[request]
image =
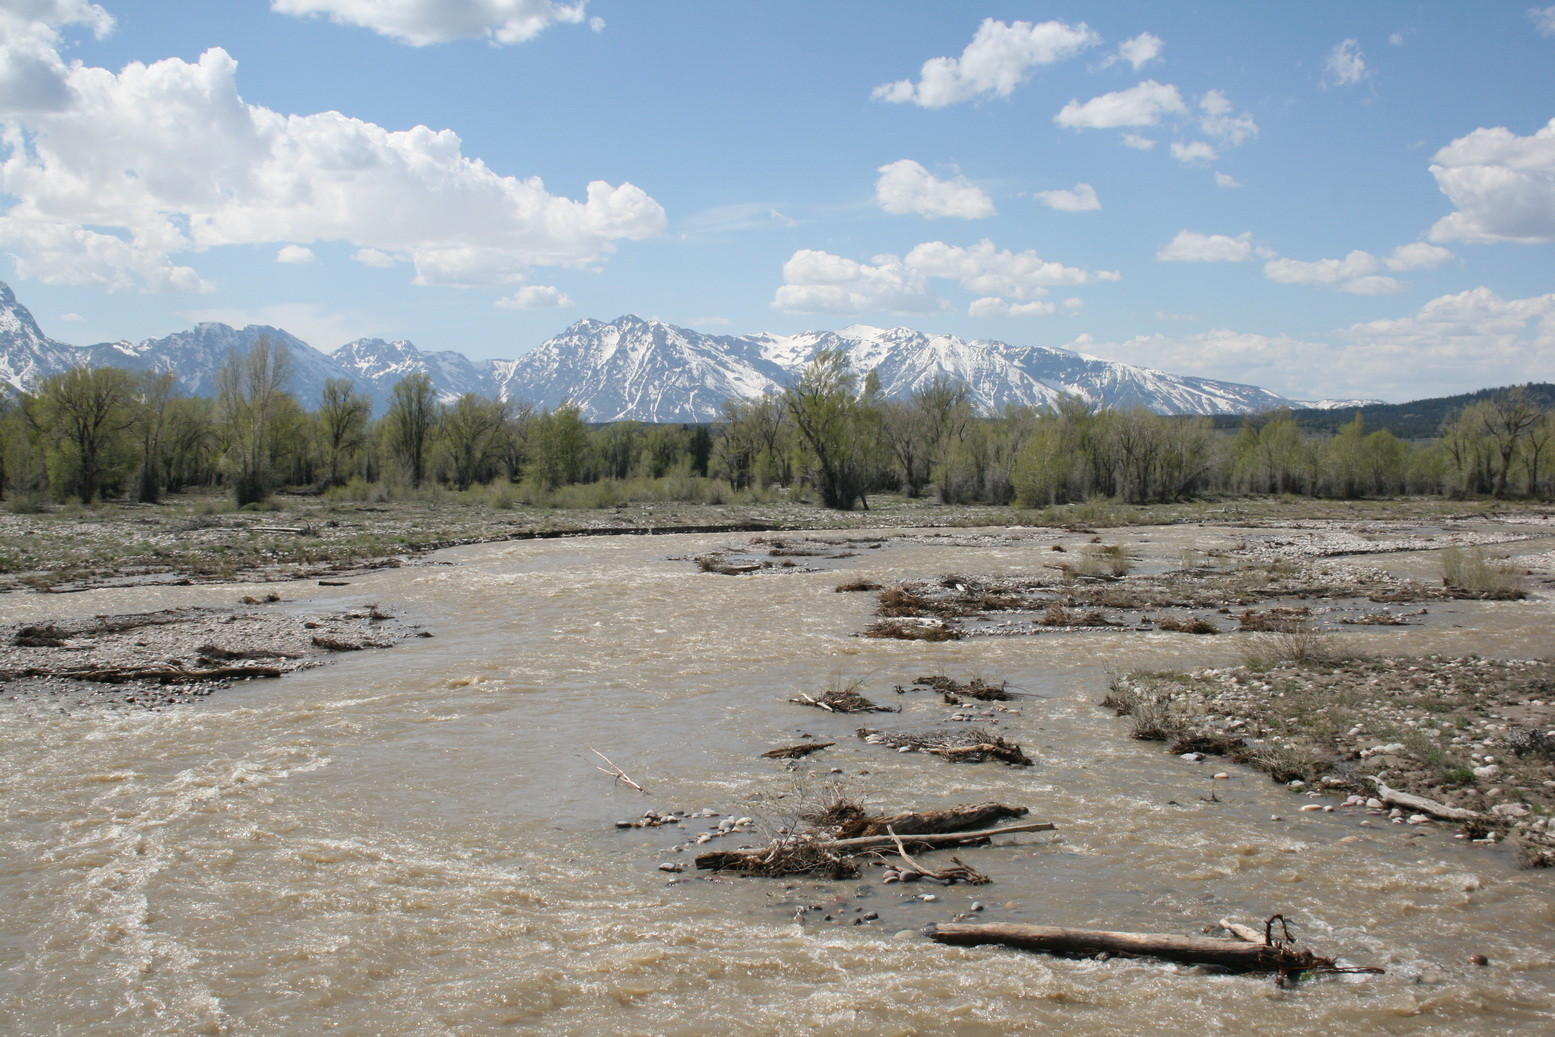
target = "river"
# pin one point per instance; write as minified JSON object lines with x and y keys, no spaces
{"x":418,"y":840}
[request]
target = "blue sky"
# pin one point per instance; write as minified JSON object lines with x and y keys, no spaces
{"x":1326,"y":199}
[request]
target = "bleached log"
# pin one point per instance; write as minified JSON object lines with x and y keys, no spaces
{"x":1235,"y":955}
{"x":736,"y":859}
{"x":1421,"y":805}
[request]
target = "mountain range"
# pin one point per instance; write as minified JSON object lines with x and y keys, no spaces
{"x":643,"y":370}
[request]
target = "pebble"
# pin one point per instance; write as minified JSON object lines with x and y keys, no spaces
{"x":1221,"y":776}
{"x":671,"y":866}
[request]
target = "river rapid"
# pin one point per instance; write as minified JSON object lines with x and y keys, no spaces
{"x":419,"y":841}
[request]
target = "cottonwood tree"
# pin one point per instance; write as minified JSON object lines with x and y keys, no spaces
{"x":84,"y":413}
{"x":469,"y":434}
{"x":152,"y":393}
{"x":839,"y":426}
{"x":250,"y":393}
{"x":410,"y":421}
{"x":342,"y":420}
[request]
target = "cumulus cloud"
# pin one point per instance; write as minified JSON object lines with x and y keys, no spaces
{"x":905,"y":187}
{"x":1472,"y":338}
{"x":1505,"y":340}
{"x":820,"y":282}
{"x":991,"y":306}
{"x":989,"y":270}
{"x":33,"y":77}
{"x":1220,"y":125}
{"x":1194,"y":152}
{"x":1191,"y":247}
{"x":1417,"y":256}
{"x":1356,"y":273}
{"x":163,"y":159}
{"x":294,"y":254}
{"x":1141,"y":105}
{"x":423,"y":22}
{"x":1503,"y":186}
{"x":1081,"y":199}
{"x":1543,"y":19}
{"x":1226,"y":180}
{"x":1141,"y":50}
{"x":374,"y":257}
{"x":999,"y":58}
{"x":536,"y":297}
{"x":1346,"y":65}
{"x":1138,"y":143}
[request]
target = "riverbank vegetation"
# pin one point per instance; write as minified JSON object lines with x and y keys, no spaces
{"x":90,"y":435}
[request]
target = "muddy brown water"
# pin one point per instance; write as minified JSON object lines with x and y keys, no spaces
{"x":417,"y":841}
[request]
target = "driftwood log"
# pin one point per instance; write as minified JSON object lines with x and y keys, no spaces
{"x":916,"y":822}
{"x":1234,"y":955}
{"x":1421,"y":805}
{"x":152,"y":674}
{"x":756,"y":860}
{"x":795,"y":752}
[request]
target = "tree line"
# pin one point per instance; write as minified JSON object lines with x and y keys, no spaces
{"x":89,"y":434}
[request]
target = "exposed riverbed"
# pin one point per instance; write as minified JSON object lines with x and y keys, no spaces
{"x":417,"y":840}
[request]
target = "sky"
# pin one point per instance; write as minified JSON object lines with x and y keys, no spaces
{"x":1327,"y":199}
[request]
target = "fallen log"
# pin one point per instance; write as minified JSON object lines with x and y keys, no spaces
{"x":917,"y":822}
{"x":1421,"y":805}
{"x":759,"y":859}
{"x":155,"y":675}
{"x":794,"y":752}
{"x":1245,"y":933}
{"x":1234,"y":955}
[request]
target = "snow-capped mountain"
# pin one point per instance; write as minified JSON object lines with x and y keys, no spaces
{"x":638,"y":369}
{"x":375,"y":366}
{"x":27,"y":355}
{"x":644,"y":370}
{"x":195,"y":356}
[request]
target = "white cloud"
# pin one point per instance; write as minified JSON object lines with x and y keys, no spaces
{"x":1141,"y":105}
{"x":536,"y":297}
{"x":374,"y":257}
{"x":905,"y":187}
{"x":1081,"y":199}
{"x":1503,"y":186}
{"x":999,"y":58}
{"x":423,"y":22}
{"x":294,"y":254}
{"x":1138,"y":143}
{"x":1543,"y":19}
{"x":1417,"y":256}
{"x":33,"y":77}
{"x":1356,"y":273}
{"x":1226,"y":180}
{"x":170,"y":159}
{"x":1398,"y":39}
{"x":72,"y":318}
{"x":1475,"y":336}
{"x":988,"y":270}
{"x":1220,"y":125}
{"x":1141,"y":50}
{"x":991,"y":306}
{"x":60,"y":253}
{"x":1471,"y":339}
{"x":1194,"y":152}
{"x":1346,"y":65}
{"x":819,"y":282}
{"x":1191,"y":247}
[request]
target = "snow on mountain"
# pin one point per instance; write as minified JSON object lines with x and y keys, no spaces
{"x":375,"y":366}
{"x":631,"y":368}
{"x":195,"y":356}
{"x":637,"y":369}
{"x":27,"y":355}
{"x":1334,"y":404}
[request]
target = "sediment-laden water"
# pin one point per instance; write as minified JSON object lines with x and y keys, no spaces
{"x":418,"y":841}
